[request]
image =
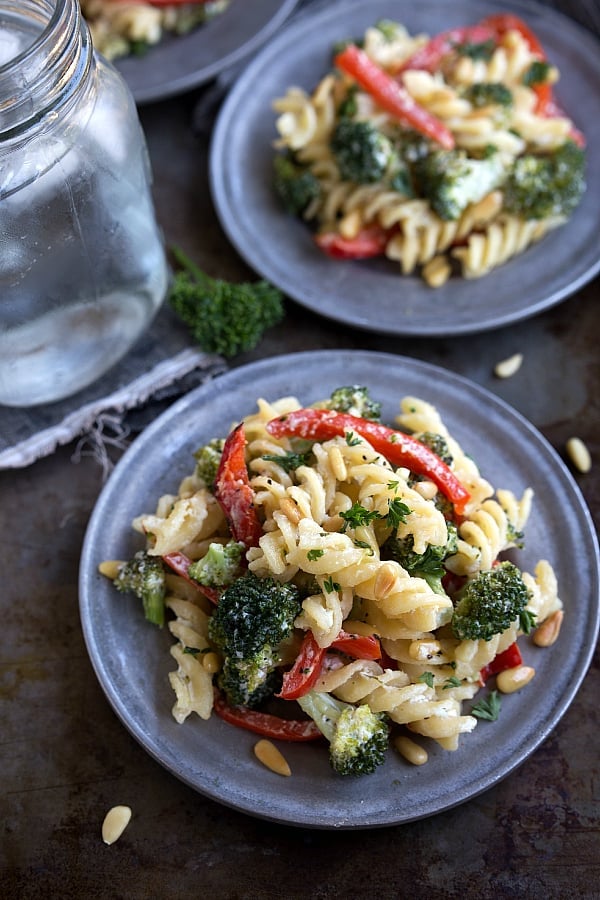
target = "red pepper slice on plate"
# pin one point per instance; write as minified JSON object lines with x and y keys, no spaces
{"x":390,"y":95}
{"x":234,"y":492}
{"x":368,"y":243}
{"x":398,"y":448}
{"x":359,"y":646}
{"x":429,"y":56}
{"x":180,"y":564}
{"x":265,"y":723}
{"x":508,"y":659}
{"x":303,"y":675}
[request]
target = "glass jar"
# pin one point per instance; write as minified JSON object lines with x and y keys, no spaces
{"x":82,"y":261}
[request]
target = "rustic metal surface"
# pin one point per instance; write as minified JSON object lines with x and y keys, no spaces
{"x":66,"y":759}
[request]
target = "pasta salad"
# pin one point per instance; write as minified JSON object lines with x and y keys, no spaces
{"x":121,"y":28}
{"x":325,"y":576}
{"x":447,"y":154}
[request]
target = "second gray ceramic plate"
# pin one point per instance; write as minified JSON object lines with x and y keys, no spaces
{"x":373,"y":295}
{"x":182,"y":62}
{"x":132,"y":660}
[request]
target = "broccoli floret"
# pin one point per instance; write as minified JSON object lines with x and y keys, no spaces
{"x":541,"y":186}
{"x":537,"y":73}
{"x":224,"y":318}
{"x":479,"y":50}
{"x":220,"y":566}
{"x":356,"y":401}
{"x":486,"y":93}
{"x":295,"y":185}
{"x":363,"y":154}
{"x":490,"y":602}
{"x":144,"y":576}
{"x":207,"y":459}
{"x":253,"y":617}
{"x":358,"y":737}
{"x":427,"y":565}
{"x":439,"y":445}
{"x":450,"y":180}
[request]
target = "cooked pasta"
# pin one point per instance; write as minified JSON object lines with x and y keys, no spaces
{"x":120,"y":28}
{"x":462,"y":185}
{"x":380,"y":547}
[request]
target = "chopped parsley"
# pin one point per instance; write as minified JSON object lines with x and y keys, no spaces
{"x":488,"y":708}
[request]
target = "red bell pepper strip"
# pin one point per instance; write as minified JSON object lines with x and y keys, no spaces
{"x":359,"y":646}
{"x":180,"y":564}
{"x":265,"y":723}
{"x":390,"y":95}
{"x":233,"y":490}
{"x":508,"y":659}
{"x":398,"y":448}
{"x":429,"y":57}
{"x":303,"y":675}
{"x":368,"y":243}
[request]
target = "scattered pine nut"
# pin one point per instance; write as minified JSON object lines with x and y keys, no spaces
{"x":410,"y":750}
{"x":579,"y":454}
{"x":512,"y":680}
{"x":115,"y":823}
{"x":509,"y":366}
{"x":547,"y":633}
{"x":110,"y":568}
{"x":271,"y":757}
{"x":211,"y":662}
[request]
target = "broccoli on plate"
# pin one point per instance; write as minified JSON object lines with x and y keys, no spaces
{"x":363,"y":154}
{"x":144,"y":576}
{"x":489,"y":603}
{"x":254,"y":616}
{"x":358,"y":737}
{"x":427,"y":565}
{"x":220,"y":566}
{"x":450,"y":180}
{"x":295,"y":185}
{"x":542,"y":186}
{"x":356,"y":401}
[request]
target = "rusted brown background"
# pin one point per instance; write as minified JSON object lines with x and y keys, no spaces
{"x":66,"y":759}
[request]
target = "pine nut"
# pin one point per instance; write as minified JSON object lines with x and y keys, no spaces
{"x":270,"y":756}
{"x":509,"y":366}
{"x":546,"y":634}
{"x":211,"y":662}
{"x":115,"y":823}
{"x":512,"y":680}
{"x":411,"y":751}
{"x":579,"y":454}
{"x":110,"y":568}
{"x":289,"y":509}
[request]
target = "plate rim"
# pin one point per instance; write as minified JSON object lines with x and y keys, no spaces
{"x":280,"y":11}
{"x":237,"y":230}
{"x":240,"y":374}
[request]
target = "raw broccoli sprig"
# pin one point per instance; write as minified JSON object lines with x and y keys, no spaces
{"x":223,"y":317}
{"x":490,"y":602}
{"x":253,"y":617}
{"x":450,"y":180}
{"x":427,"y":565}
{"x":220,"y":566}
{"x":295,"y":185}
{"x":542,"y":186}
{"x":358,"y":737}
{"x":207,"y":459}
{"x":144,"y":576}
{"x":355,"y":400}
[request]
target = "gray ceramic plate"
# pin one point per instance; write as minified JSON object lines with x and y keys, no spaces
{"x":180,"y":63}
{"x":132,"y":661}
{"x":372,"y":294}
